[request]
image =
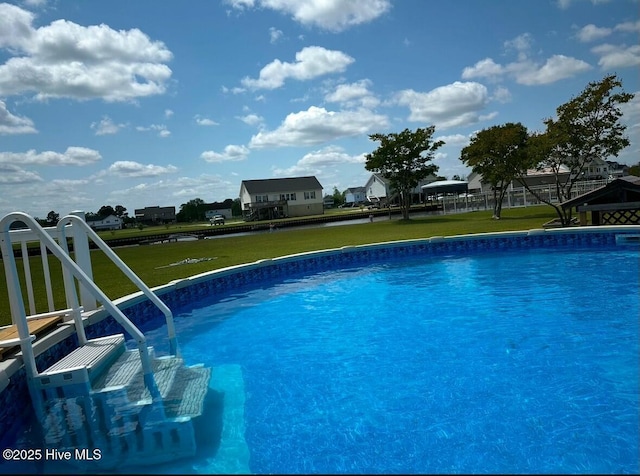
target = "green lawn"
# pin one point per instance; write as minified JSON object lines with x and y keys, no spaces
{"x":151,"y":263}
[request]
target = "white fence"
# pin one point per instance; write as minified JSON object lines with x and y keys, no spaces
{"x":515,"y":197}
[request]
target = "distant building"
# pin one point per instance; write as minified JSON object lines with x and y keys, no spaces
{"x":155,"y":215}
{"x":378,"y":190}
{"x":219,"y":208}
{"x":355,"y":195}
{"x":111,"y":222}
{"x":276,"y":198}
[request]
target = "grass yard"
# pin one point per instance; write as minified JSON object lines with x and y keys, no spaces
{"x":152,"y":263}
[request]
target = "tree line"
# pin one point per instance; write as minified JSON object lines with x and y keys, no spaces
{"x":586,"y":128}
{"x":53,"y":217}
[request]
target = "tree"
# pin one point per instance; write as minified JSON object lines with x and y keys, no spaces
{"x":635,"y":170}
{"x":236,"y":208}
{"x":586,"y":128}
{"x":119,"y":211}
{"x":404,"y":159}
{"x":499,"y":154}
{"x":105,"y":211}
{"x":193,"y":210}
{"x":338,"y":197}
{"x":53,"y":218}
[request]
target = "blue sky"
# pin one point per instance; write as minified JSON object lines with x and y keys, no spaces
{"x":146,"y":102}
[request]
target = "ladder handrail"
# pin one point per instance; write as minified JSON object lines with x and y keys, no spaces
{"x":17,"y":303}
{"x":77,"y":221}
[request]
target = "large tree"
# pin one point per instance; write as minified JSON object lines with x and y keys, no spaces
{"x":120,"y":211}
{"x":404,"y":159}
{"x":586,"y":128}
{"x":498,"y":154}
{"x":53,"y":218}
{"x":193,"y":210}
{"x":338,"y":197}
{"x":105,"y":211}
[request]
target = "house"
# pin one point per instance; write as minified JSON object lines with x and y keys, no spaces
{"x":378,"y":190}
{"x":110,"y":222}
{"x":616,"y":203}
{"x":617,"y":170}
{"x":328,"y":201}
{"x":597,"y":169}
{"x":219,"y":208}
{"x":354,"y":195}
{"x":282,"y":197}
{"x":155,"y":215}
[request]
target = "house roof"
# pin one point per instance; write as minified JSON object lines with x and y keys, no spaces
{"x":621,"y":190}
{"x":290,"y":184}
{"x":356,"y":189}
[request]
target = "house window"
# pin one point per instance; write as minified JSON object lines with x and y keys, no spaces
{"x":287,"y":196}
{"x":310,"y":195}
{"x":262,"y":198}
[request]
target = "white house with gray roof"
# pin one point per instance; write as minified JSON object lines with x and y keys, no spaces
{"x":267,"y":199}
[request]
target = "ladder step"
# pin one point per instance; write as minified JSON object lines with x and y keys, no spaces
{"x":188,"y":392}
{"x":122,"y":371}
{"x":93,"y":355}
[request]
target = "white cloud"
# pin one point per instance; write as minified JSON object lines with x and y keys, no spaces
{"x":485,"y":68}
{"x":614,"y":56}
{"x":315,"y":162}
{"x":554,"y":69}
{"x":106,"y":126}
{"x":203,"y":121}
{"x":65,"y":59}
{"x":168,"y":113}
{"x":230,"y":153}
{"x":521,"y":44}
{"x":252,"y":119}
{"x":564,"y":4}
{"x":13,"y":175}
{"x":628,"y":27}
{"x":12,"y":124}
{"x":453,"y":140}
{"x":353,"y":95}
{"x":161,"y":128}
{"x":527,"y":72}
{"x":16,"y":31}
{"x":127,"y":168}
{"x":501,"y":94}
{"x":591,"y":33}
{"x":332,"y":15}
{"x":452,"y":105}
{"x":274,"y":35}
{"x":311,"y":62}
{"x":317,"y":125}
{"x":72,"y":156}
{"x":180,"y":189}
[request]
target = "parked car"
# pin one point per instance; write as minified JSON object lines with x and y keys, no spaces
{"x":217,"y":220}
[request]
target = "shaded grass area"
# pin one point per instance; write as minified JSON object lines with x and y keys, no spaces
{"x":153,"y":263}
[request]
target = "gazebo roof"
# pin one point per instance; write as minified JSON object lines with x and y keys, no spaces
{"x":621,"y":193}
{"x":447,"y":186}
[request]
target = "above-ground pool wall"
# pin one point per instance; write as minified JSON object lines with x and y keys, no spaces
{"x":14,"y":399}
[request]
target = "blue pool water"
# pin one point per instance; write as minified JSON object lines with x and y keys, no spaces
{"x":506,"y":362}
{"x":493,"y":363}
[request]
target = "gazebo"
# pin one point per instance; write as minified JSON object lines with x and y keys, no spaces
{"x":446,"y":186}
{"x":617,"y":203}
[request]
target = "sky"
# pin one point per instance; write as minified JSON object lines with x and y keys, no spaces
{"x":156,"y":103}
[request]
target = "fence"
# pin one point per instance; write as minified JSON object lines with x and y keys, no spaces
{"x":515,"y":197}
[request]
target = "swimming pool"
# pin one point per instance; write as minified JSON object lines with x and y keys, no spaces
{"x":504,"y":359}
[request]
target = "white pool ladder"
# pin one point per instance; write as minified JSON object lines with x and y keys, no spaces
{"x":134,"y":405}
